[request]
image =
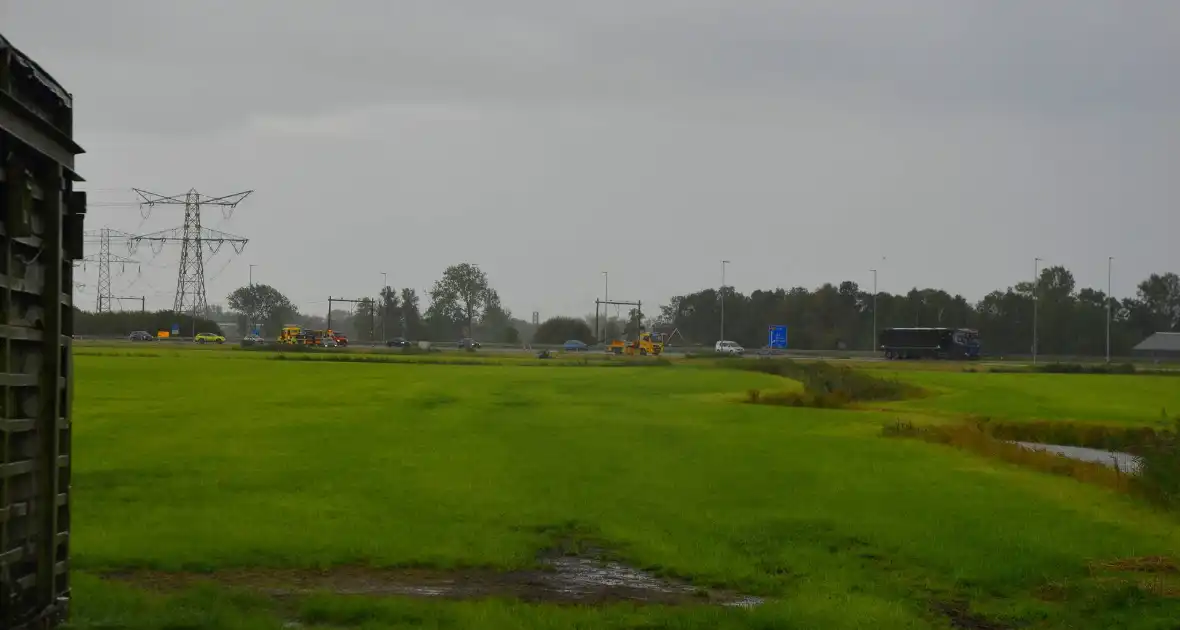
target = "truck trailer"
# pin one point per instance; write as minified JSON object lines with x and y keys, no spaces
{"x":41,"y":236}
{"x":929,"y":343}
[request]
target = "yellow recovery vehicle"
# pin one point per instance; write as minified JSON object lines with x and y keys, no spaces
{"x":647,"y":344}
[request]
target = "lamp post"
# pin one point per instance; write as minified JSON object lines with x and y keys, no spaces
{"x":874,"y":309}
{"x":1036,"y":285}
{"x":723,"y":264}
{"x":1109,"y":267}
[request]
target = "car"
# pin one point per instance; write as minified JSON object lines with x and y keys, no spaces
{"x":253,"y":340}
{"x":208,"y":337}
{"x":573,"y":345}
{"x":328,"y":342}
{"x":729,"y":347}
{"x":341,"y":338}
{"x":467,"y":343}
{"x":140,"y":335}
{"x":397,"y":342}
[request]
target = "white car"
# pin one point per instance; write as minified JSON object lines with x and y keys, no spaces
{"x":728,"y":347}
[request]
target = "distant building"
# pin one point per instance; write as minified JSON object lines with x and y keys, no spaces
{"x":1162,"y":345}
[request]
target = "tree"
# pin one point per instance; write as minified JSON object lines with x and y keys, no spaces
{"x":390,"y":312}
{"x":1070,"y":320}
{"x":463,"y":291}
{"x":634,"y":323}
{"x":496,"y":319}
{"x":364,"y":319}
{"x":411,"y":317}
{"x":1160,"y":295}
{"x":121,"y":323}
{"x":557,"y":330}
{"x":511,"y":335}
{"x":262,"y":304}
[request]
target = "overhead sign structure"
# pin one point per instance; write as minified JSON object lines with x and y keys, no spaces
{"x":778,"y":338}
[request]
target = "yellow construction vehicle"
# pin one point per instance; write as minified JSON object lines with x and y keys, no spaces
{"x":291,"y":334}
{"x":647,"y":344}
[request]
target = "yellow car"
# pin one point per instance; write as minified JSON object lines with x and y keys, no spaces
{"x":209,"y":338}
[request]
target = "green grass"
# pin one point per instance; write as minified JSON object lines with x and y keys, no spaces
{"x":198,"y":462}
{"x":1105,"y":398}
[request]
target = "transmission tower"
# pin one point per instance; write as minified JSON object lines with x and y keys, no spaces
{"x":104,"y":259}
{"x":190,"y":281}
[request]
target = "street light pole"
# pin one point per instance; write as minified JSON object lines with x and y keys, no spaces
{"x":874,"y":309}
{"x":1109,"y":266}
{"x":723,"y":264}
{"x":1036,"y":285}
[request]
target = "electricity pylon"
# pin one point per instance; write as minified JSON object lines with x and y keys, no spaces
{"x":190,"y":281}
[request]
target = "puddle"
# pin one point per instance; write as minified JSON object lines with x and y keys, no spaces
{"x":1125,"y":462}
{"x":563,"y":579}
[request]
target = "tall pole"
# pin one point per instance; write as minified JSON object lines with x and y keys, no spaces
{"x":1109,"y":267}
{"x":723,"y":264}
{"x":597,"y":327}
{"x":252,"y":274}
{"x":1035,"y":292}
{"x":384,"y":314}
{"x":874,"y":309}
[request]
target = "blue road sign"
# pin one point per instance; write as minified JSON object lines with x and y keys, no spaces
{"x":175,"y":330}
{"x":778,"y":338}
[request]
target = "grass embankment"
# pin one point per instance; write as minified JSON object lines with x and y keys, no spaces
{"x":1129,"y":400}
{"x":198,"y":463}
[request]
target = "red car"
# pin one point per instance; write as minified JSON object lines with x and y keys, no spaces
{"x":341,"y":338}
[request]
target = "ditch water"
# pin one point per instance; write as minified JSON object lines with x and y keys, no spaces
{"x":581,"y":578}
{"x":1125,"y":462}
{"x":563,"y":579}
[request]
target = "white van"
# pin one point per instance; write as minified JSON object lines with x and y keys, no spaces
{"x":728,"y":347}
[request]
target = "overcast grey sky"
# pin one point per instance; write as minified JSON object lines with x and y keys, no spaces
{"x":549,"y":141}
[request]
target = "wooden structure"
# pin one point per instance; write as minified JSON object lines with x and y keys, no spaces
{"x":40,"y":236}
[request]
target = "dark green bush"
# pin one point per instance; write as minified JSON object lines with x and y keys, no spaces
{"x":825,"y":385}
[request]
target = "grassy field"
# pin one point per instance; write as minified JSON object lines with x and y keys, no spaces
{"x":204,"y":461}
{"x":1137,"y":400}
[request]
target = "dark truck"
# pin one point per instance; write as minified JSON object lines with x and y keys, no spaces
{"x":40,"y":236}
{"x":929,"y":343}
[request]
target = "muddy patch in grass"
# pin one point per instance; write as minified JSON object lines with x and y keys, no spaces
{"x":961,"y":618}
{"x":560,"y":579}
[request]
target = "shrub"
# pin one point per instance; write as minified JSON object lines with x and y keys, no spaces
{"x":833,"y":384}
{"x":558,"y":330}
{"x":1110,"y":438}
{"x":1159,"y":468}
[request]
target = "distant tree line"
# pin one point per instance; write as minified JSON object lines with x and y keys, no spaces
{"x":1070,"y":321}
{"x":122,"y":323}
{"x":462,"y":303}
